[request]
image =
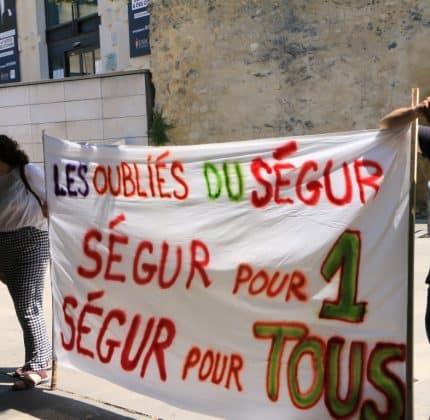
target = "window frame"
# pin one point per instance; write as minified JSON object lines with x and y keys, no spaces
{"x":80,"y":33}
{"x":80,"y":52}
{"x":75,"y":14}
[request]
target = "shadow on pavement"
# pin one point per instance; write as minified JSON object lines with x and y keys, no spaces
{"x":45,"y":404}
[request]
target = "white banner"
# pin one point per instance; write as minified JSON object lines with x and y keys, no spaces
{"x":263,"y":279}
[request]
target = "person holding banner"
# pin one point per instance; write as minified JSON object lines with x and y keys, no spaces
{"x":24,"y":255}
{"x":398,"y":118}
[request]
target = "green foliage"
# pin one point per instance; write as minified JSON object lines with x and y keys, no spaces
{"x":159,"y":128}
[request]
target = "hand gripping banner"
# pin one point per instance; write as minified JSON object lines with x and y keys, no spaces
{"x":245,"y":280}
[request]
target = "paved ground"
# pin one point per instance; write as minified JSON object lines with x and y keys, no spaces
{"x":82,"y":396}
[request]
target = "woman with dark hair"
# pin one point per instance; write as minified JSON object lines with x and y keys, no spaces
{"x":24,"y":255}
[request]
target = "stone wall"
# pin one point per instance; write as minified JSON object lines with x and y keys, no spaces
{"x":229,"y":70}
{"x":235,"y":70}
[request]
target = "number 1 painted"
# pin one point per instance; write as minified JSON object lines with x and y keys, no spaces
{"x":344,"y":255}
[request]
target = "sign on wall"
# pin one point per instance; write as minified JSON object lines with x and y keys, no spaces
{"x":9,"y":57}
{"x":246,"y":280}
{"x":138,"y":24}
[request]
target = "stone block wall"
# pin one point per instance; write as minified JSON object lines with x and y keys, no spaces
{"x":107,"y":109}
{"x":230,"y":70}
{"x":236,"y":70}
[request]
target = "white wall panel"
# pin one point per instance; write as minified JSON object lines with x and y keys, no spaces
{"x":109,"y":109}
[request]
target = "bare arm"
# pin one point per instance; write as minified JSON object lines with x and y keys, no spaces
{"x":403,"y":116}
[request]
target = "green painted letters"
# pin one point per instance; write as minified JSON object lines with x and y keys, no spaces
{"x":278,"y":333}
{"x":211,"y":168}
{"x":345,"y":255}
{"x":214,"y":181}
{"x":337,"y":406}
{"x":315,"y":349}
{"x":388,"y":383}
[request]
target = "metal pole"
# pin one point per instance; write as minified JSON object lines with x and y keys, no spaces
{"x":410,"y":292}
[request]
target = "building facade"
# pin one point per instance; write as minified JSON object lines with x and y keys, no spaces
{"x":222,"y":70}
{"x":68,"y":68}
{"x":66,"y":38}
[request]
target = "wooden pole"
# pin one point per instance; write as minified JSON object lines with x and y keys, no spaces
{"x":54,"y":372}
{"x":410,"y":306}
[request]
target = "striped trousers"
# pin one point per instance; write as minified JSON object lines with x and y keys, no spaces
{"x":24,"y":256}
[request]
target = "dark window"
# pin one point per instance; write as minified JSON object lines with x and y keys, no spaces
{"x":82,"y":62}
{"x":63,"y":11}
{"x":72,"y":36}
{"x":87,"y":7}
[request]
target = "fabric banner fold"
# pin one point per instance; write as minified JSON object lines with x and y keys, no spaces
{"x":245,"y":280}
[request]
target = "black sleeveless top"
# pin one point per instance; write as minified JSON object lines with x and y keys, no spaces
{"x":424,"y":140}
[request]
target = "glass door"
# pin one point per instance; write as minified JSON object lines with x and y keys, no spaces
{"x":72,"y":36}
{"x":82,"y":62}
